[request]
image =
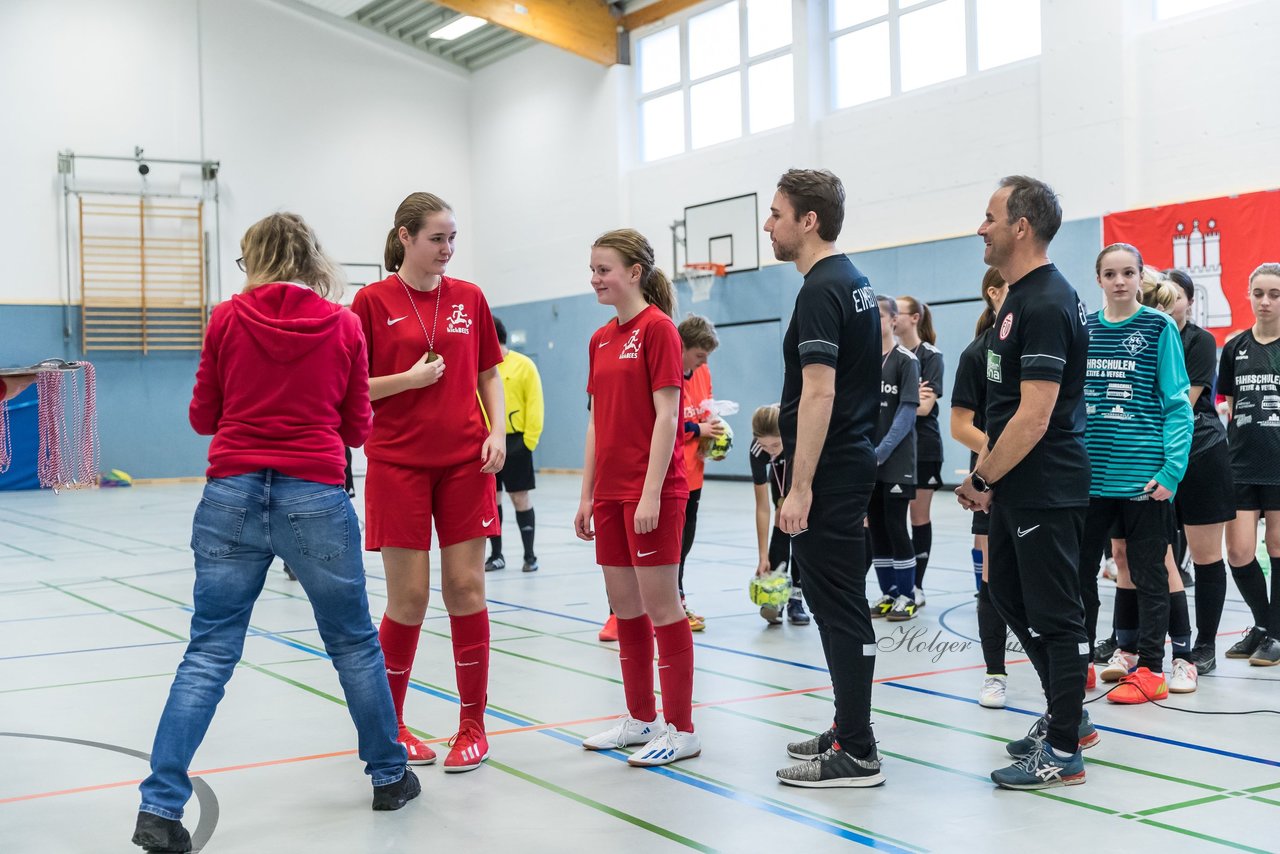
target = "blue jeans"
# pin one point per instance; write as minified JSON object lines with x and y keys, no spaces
{"x":241,"y":524}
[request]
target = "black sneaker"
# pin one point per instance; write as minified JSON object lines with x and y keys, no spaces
{"x":157,"y":834}
{"x":796,"y":614}
{"x":1247,"y":645}
{"x":1104,"y":649}
{"x":814,"y":747}
{"x":530,"y":565}
{"x":1204,"y":657}
{"x":494,"y":564}
{"x":395,"y":795}
{"x":289,"y":573}
{"x":834,"y":769}
{"x":1267,"y":654}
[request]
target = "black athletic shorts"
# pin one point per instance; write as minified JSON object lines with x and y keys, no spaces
{"x":517,"y":473}
{"x":1207,"y":495}
{"x":897,"y":490}
{"x":981,"y":525}
{"x":1257,"y":496}
{"x":929,"y":474}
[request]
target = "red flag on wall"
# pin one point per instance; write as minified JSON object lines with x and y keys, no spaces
{"x":1218,"y":242}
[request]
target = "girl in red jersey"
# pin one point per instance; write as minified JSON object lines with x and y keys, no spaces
{"x":432,"y":457}
{"x":634,"y":488}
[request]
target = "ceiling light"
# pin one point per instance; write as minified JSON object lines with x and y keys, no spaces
{"x":457,"y":29}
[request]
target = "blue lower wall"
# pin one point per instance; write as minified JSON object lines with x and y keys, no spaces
{"x":142,"y":400}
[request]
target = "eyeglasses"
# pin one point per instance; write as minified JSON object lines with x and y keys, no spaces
{"x":240,"y":264}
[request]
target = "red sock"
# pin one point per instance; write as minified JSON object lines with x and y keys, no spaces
{"x":675,"y":672}
{"x":399,"y":646}
{"x":635,"y":654}
{"x":471,"y":663}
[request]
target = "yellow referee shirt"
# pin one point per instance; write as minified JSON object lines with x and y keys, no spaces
{"x":523,"y":389}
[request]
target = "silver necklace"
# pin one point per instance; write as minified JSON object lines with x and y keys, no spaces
{"x":432,"y":355}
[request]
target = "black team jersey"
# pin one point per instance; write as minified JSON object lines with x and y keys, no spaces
{"x":899,"y":383}
{"x":836,"y":322}
{"x":970,"y":391}
{"x":767,"y":469}
{"x":928,"y":436}
{"x":1249,"y":374}
{"x":1041,"y":335}
{"x":1201,"y":353}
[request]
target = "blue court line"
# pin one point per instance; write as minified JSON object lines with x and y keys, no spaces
{"x":744,"y":798}
{"x":1156,"y":738}
{"x":759,"y":656}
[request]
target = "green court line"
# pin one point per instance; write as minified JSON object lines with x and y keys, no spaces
{"x":1267,"y":801}
{"x":1204,"y":836}
{"x":24,"y":551}
{"x":1181,"y":805}
{"x":86,"y":682}
{"x":115,"y":534}
{"x":1267,"y":788}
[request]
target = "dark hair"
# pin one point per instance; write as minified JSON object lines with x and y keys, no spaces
{"x":1183,"y":280}
{"x":991,"y":280}
{"x":816,"y":190}
{"x":411,"y":215}
{"x":925,"y":327}
{"x":889,"y":304}
{"x":1117,"y":247}
{"x":1035,"y":200}
{"x":501,"y":330}
{"x":635,"y":249}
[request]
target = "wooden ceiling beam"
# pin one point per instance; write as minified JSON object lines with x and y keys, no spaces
{"x":582,"y":27}
{"x":655,"y":12}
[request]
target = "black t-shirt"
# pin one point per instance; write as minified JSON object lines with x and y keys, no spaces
{"x":970,"y":391}
{"x":928,"y":436}
{"x":1201,"y":353}
{"x":899,"y":384}
{"x":1041,"y":335}
{"x":1249,"y":374}
{"x":836,"y":322}
{"x":767,"y":469}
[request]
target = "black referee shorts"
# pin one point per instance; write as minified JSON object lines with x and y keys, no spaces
{"x":517,"y":472}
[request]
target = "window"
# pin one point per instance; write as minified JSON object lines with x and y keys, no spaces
{"x":1173,"y":8}
{"x":881,"y":48}
{"x":714,"y":76}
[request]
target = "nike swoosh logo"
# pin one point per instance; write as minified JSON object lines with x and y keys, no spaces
{"x":488,"y":523}
{"x":1022,"y":533}
{"x":602,"y":344}
{"x":391,"y":322}
{"x":646,"y":554}
{"x":467,"y":705}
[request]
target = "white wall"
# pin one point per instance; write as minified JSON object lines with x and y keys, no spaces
{"x":303,"y":115}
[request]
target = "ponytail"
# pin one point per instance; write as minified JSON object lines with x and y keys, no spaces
{"x":658,"y":290}
{"x":655,"y":287}
{"x":925,"y":326}
{"x":411,"y":216}
{"x":991,"y":280}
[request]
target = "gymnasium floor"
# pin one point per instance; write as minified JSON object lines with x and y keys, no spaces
{"x":94,"y":596}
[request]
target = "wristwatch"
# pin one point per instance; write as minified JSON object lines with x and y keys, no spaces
{"x":979,"y":482}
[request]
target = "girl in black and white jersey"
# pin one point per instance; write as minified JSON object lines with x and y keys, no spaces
{"x":769,"y":478}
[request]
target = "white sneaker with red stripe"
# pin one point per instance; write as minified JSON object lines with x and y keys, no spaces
{"x":468,"y":748}
{"x":418,"y":750}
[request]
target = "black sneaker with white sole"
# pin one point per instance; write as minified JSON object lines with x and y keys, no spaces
{"x":1204,"y":657}
{"x":530,"y":565}
{"x":796,"y":614}
{"x":1104,"y":649}
{"x":814,"y":747}
{"x":494,"y":564}
{"x":835,"y":769}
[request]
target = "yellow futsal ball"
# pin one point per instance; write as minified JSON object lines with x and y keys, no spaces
{"x":773,"y":589}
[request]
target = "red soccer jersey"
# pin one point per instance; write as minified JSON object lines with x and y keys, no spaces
{"x":443,"y":424}
{"x":693,"y":391}
{"x":628,"y":363}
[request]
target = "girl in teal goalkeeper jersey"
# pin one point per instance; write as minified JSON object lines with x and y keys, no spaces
{"x":1139,"y":435}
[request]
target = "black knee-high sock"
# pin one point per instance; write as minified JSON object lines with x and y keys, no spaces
{"x":495,"y":542}
{"x":1273,"y":612}
{"x":1211,"y":593}
{"x":1180,"y":624}
{"x":992,"y":632}
{"x":922,"y":539}
{"x":1253,"y":587}
{"x":524,"y":518}
{"x":1126,"y":621}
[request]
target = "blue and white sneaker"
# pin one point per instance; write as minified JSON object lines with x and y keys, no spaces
{"x":626,"y":732}
{"x":671,"y":745}
{"x":1035,"y":736}
{"x":1043,"y":768}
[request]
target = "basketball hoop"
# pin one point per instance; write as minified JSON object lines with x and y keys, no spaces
{"x":68,"y":418}
{"x":701,"y":277}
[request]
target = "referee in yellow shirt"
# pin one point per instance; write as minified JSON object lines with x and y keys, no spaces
{"x":523,"y":389}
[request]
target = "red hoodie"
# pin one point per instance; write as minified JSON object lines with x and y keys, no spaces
{"x":283,"y":384}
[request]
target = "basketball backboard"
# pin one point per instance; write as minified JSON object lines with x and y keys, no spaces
{"x":725,"y":232}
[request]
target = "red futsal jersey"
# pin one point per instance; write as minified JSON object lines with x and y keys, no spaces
{"x":693,"y":391}
{"x":442,"y":425}
{"x":628,"y":363}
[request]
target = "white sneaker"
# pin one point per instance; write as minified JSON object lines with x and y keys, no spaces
{"x":919,"y":597}
{"x":1109,"y":570}
{"x":1119,"y":666}
{"x":993,"y":692}
{"x":671,"y":745}
{"x":1184,"y":677}
{"x":626,"y":732}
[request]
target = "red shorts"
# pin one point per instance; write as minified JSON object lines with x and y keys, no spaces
{"x":401,"y":501}
{"x":618,"y":544}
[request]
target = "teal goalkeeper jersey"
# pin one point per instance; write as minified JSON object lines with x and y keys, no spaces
{"x":1137,"y":404}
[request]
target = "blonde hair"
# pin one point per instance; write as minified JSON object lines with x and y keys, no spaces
{"x":1158,"y":292}
{"x":1271,"y":268}
{"x":697,"y":331}
{"x":764,"y":421}
{"x":635,"y":249}
{"x":411,"y":216}
{"x":283,"y":248}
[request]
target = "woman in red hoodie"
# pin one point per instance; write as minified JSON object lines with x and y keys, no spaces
{"x":283,"y":387}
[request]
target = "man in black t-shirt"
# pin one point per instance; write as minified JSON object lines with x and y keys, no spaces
{"x":1034,"y":476}
{"x":830,"y":392}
